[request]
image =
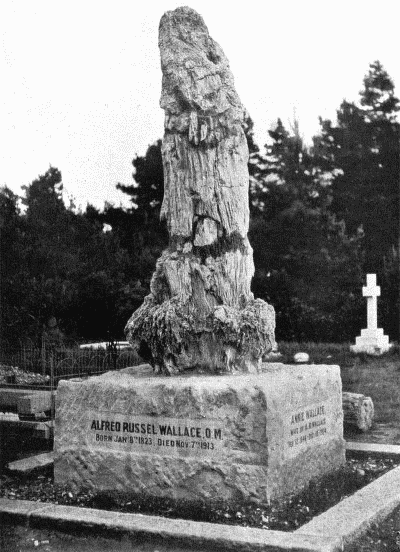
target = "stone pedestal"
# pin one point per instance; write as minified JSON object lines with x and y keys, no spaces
{"x":200,"y":438}
{"x":372,"y":342}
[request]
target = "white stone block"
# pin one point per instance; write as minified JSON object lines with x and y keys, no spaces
{"x":372,"y":343}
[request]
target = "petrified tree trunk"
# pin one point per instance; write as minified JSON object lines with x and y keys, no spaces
{"x":358,"y":410}
{"x":201,"y":313}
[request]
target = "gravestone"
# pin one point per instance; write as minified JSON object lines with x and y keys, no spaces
{"x":372,"y":339}
{"x":206,"y":420}
{"x":241,"y":437}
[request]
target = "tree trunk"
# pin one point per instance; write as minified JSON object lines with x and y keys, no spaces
{"x":201,"y":313}
{"x":358,"y":410}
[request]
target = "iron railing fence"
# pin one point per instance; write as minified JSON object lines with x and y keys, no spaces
{"x":44,"y":367}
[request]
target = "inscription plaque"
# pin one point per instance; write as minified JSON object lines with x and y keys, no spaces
{"x":306,"y":426}
{"x":147,"y":434}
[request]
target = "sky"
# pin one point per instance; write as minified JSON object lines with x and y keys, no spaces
{"x":81,"y":80}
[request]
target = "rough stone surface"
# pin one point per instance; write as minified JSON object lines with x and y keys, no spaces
{"x":157,"y":531}
{"x":26,"y":465}
{"x":26,"y":402}
{"x":372,"y":342}
{"x":200,"y":313}
{"x":375,"y":449}
{"x":18,"y":510}
{"x":233,"y":437}
{"x":352,"y":516}
{"x":35,"y":402}
{"x":358,"y":410}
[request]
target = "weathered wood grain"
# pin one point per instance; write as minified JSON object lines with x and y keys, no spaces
{"x":201,"y":313}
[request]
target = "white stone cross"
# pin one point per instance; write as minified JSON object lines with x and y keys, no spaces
{"x":371,"y":291}
{"x":372,"y":340}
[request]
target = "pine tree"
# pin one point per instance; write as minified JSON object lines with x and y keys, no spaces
{"x":377,"y":97}
{"x":303,"y":256}
{"x":11,"y":245}
{"x":68,"y":267}
{"x":363,"y":147}
{"x":362,"y":151}
{"x":147,"y":191}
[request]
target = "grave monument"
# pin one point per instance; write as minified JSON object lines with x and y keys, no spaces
{"x":206,"y":419}
{"x":200,"y":313}
{"x":372,"y":339}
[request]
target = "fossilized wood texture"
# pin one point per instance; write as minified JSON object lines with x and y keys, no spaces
{"x":201,"y":313}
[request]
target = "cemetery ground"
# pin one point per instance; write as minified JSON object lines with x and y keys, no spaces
{"x":376,"y":377}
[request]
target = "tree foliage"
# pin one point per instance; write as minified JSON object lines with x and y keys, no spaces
{"x":306,"y":265}
{"x":364,"y":146}
{"x":363,"y":150}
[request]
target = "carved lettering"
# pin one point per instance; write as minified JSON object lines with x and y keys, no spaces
{"x":305,"y":426}
{"x":173,"y":435}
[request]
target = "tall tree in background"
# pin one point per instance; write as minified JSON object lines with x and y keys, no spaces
{"x":11,"y":247}
{"x":148,"y":234}
{"x":65,"y":266}
{"x":253,"y":160}
{"x":141,"y":231}
{"x":303,"y":257}
{"x":363,"y":147}
{"x":147,"y":191}
{"x":35,"y":281}
{"x":43,"y":271}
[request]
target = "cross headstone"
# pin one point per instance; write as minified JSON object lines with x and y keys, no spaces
{"x":371,"y":291}
{"x":372,"y":339}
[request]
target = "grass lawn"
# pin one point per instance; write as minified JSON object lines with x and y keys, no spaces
{"x":375,"y":377}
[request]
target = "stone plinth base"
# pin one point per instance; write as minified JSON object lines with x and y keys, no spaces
{"x":200,"y":438}
{"x":371,"y":342}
